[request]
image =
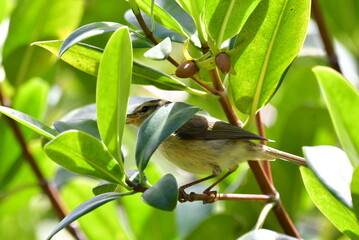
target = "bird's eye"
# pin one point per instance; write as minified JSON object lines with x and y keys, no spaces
{"x":145,"y":109}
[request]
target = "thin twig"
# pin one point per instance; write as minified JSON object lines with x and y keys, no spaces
{"x":48,"y":188}
{"x":324,"y":34}
{"x":260,"y":127}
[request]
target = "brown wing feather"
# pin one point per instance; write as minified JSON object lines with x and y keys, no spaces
{"x":198,"y":128}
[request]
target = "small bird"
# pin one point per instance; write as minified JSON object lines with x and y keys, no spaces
{"x":205,"y":145}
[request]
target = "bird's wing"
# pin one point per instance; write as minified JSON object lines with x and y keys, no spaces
{"x":198,"y":128}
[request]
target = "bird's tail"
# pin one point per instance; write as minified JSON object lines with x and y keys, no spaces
{"x":285,"y":156}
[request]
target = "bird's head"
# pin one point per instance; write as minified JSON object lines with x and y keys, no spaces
{"x":143,"y":111}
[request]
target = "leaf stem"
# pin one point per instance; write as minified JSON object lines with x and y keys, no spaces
{"x":152,"y":38}
{"x":48,"y":188}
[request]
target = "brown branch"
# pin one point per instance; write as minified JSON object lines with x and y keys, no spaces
{"x":48,"y":188}
{"x":213,"y":196}
{"x":324,"y":34}
{"x":264,"y":182}
{"x":266,"y":164}
{"x":150,"y":36}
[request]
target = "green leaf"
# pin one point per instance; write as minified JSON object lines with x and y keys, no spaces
{"x":163,"y":195}
{"x":85,"y":208}
{"x":87,"y":59}
{"x":29,"y":122}
{"x":87,"y":126}
{"x":157,"y":127}
{"x":195,"y":9}
{"x":106,"y":219}
{"x":85,"y":155}
{"x":265,"y":234}
{"x":269,"y":41}
{"x":161,"y":16}
{"x":144,"y":75}
{"x":161,"y":51}
{"x":33,"y":21}
{"x":87,"y":31}
{"x":81,"y":56}
{"x":340,"y":96}
{"x":354,"y":187}
{"x":113,"y":88}
{"x":104,"y":187}
{"x":340,"y":215}
{"x":332,"y":167}
{"x":233,"y":14}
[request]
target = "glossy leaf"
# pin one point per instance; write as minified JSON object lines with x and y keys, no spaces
{"x":157,"y":127}
{"x":81,"y":56}
{"x":163,"y":195}
{"x":87,"y":126}
{"x":106,"y":218}
{"x":265,"y":234}
{"x":86,"y":31}
{"x":85,"y":155}
{"x":269,"y":41}
{"x":354,"y":187}
{"x":195,"y":9}
{"x":340,"y":215}
{"x":161,"y":51}
{"x":233,"y":14}
{"x":160,"y":16}
{"x":85,"y":208}
{"x":87,"y":59}
{"x":29,"y":122}
{"x":104,"y":187}
{"x":332,"y":167}
{"x":113,"y":89}
{"x":341,"y":97}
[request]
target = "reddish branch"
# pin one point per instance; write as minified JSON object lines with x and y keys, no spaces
{"x":324,"y":34}
{"x":48,"y":188}
{"x":263,"y":179}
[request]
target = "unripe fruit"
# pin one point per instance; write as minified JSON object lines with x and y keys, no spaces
{"x":186,"y":69}
{"x":223,"y":62}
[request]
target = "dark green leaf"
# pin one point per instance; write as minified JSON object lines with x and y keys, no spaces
{"x":157,"y":127}
{"x":83,"y":154}
{"x":84,"y":208}
{"x":354,"y":187}
{"x":332,"y":167}
{"x":87,"y":126}
{"x":113,"y":89}
{"x":161,"y":51}
{"x":269,"y":41}
{"x":86,"y":31}
{"x":163,"y":195}
{"x":29,"y":122}
{"x":341,"y":97}
{"x":233,"y":14}
{"x":261,"y":234}
{"x":340,"y":215}
{"x":104,"y":187}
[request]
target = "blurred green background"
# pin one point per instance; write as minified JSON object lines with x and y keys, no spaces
{"x":39,"y":85}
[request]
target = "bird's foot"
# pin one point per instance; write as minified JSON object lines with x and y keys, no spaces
{"x":211,"y":196}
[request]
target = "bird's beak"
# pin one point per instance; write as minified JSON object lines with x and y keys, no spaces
{"x":130,"y":118}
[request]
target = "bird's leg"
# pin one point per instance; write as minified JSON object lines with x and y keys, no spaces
{"x":214,"y":193}
{"x":183,"y":196}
